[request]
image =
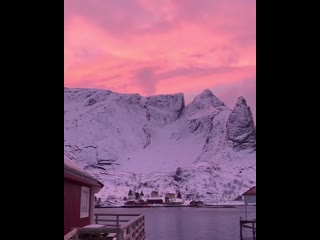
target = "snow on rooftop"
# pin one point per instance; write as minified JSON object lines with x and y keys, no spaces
{"x":73,"y":166}
{"x":94,"y":226}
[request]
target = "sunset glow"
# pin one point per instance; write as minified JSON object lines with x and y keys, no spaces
{"x":162,"y":46}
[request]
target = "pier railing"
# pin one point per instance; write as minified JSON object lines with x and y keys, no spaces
{"x":248,"y":224}
{"x":111,"y":227}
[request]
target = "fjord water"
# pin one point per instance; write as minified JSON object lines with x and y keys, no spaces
{"x":186,"y":223}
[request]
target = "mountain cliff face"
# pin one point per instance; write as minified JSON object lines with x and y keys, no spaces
{"x":203,"y":150}
{"x":241,"y":132}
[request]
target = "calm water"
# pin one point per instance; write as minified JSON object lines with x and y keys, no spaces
{"x":189,"y":223}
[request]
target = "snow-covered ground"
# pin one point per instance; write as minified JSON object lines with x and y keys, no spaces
{"x":204,"y":150}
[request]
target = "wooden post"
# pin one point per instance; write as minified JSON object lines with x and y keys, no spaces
{"x":120,"y":236}
{"x":117,"y":221}
{"x":96,"y":219}
{"x":245,"y":207}
{"x":253,"y":231}
{"x":240,"y":228}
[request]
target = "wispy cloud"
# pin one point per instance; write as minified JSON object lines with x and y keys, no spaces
{"x":161,"y":46}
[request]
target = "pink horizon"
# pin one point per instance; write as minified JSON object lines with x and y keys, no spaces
{"x":156,"y":47}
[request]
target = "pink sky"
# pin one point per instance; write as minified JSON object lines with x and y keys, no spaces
{"x":162,"y":46}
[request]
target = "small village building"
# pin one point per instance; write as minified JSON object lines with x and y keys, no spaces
{"x":154,"y":201}
{"x":249,"y":198}
{"x":154,"y":194}
{"x":170,"y":197}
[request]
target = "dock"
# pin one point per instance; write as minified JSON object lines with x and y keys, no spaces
{"x":249,"y":225}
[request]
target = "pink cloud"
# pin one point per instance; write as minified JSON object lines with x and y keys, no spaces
{"x":161,"y":46}
{"x":246,"y":87}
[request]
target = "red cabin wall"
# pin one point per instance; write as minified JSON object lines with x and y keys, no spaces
{"x":72,"y":199}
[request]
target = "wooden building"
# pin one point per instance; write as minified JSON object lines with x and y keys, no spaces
{"x":154,"y":194}
{"x":170,"y":197}
{"x":154,"y":201}
{"x":250,"y":196}
{"x":79,"y":190}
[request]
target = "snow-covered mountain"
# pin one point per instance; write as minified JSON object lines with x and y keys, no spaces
{"x":204,"y":150}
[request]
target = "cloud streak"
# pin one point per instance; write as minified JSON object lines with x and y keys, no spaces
{"x":161,"y":46}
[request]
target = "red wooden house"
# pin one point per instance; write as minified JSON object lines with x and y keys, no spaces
{"x":79,"y":190}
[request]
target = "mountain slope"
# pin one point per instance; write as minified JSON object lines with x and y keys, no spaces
{"x":204,"y":150}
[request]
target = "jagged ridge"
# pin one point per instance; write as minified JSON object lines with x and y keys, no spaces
{"x":112,"y":134}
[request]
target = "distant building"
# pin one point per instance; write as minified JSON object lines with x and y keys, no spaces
{"x":239,"y":198}
{"x":196,"y":204}
{"x":170,"y":197}
{"x":250,"y":195}
{"x":130,"y":203}
{"x":140,"y":202}
{"x":155,"y":201}
{"x":79,"y":190}
{"x":154,"y":194}
{"x":111,"y":198}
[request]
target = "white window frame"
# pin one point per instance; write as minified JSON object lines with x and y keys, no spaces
{"x":85,"y":202}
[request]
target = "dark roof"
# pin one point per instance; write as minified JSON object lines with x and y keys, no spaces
{"x":170,"y":194}
{"x":251,"y":191}
{"x":74,"y":172}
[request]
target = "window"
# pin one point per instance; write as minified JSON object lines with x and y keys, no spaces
{"x":84,"y":205}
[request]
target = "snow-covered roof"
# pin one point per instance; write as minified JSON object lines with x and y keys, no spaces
{"x":75,"y":169}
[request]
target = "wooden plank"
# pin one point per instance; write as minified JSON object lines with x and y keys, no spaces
{"x":70,"y":234}
{"x":131,"y":222}
{"x":118,"y":214}
{"x":133,"y":229}
{"x":98,"y":230}
{"x":253,"y":231}
{"x":246,"y":226}
{"x":111,"y":236}
{"x":112,"y":220}
{"x":117,"y":220}
{"x":248,"y":221}
{"x":249,"y":224}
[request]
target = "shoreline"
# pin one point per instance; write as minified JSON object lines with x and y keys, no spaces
{"x":204,"y":206}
